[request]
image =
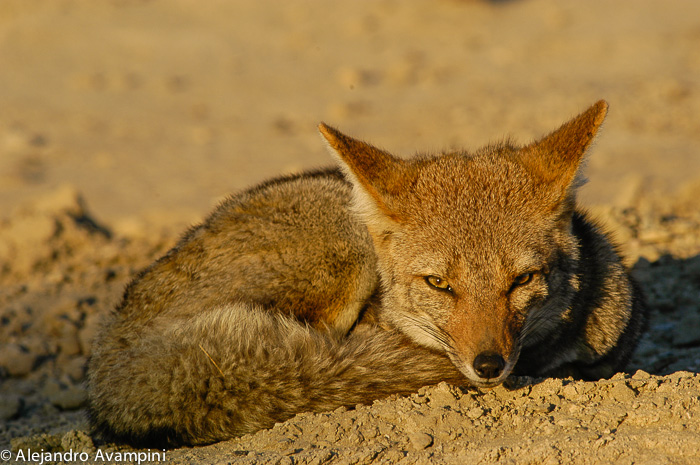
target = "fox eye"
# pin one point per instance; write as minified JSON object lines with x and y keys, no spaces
{"x":438,"y":283}
{"x":523,"y":279}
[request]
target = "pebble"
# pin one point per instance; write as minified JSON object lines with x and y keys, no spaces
{"x":65,"y":398}
{"x":569,"y":392}
{"x":420,"y":440}
{"x":77,"y":441}
{"x":443,"y":396}
{"x":622,"y":393}
{"x":16,"y":360}
{"x":10,"y":405}
{"x":641,"y":374}
{"x":75,"y":368}
{"x":72,"y":398}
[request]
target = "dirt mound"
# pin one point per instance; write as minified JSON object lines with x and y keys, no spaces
{"x":61,"y":270}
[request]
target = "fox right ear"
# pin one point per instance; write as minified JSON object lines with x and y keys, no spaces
{"x":376,"y":175}
{"x":557,"y":157}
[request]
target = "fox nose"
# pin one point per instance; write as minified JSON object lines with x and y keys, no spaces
{"x":489,"y":365}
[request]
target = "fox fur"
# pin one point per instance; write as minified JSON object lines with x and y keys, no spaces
{"x":343,"y":286}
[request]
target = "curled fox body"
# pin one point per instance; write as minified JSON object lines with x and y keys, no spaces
{"x":343,"y":286}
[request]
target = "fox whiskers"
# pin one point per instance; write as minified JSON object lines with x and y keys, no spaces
{"x":428,"y":327}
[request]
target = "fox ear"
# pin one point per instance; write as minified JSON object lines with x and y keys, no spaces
{"x":557,"y":157}
{"x":374,"y":173}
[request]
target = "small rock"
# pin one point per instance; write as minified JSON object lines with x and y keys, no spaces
{"x":641,"y":374}
{"x":419,"y":399}
{"x":71,"y":398}
{"x":622,"y":393}
{"x":77,"y":441}
{"x":568,"y":422}
{"x":443,"y":396}
{"x":569,"y":392}
{"x":37,"y":344}
{"x":68,"y":344}
{"x":16,"y":360}
{"x":545,"y":407}
{"x":475,"y":413}
{"x":75,"y":368}
{"x":10,"y":406}
{"x":420,"y":440}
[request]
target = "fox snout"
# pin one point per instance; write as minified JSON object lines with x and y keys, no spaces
{"x":485,"y":350}
{"x":487,"y":368}
{"x":489,"y":365}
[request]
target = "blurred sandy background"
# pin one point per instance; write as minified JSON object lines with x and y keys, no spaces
{"x":154,"y":110}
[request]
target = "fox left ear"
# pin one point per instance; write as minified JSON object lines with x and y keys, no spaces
{"x":376,"y":175}
{"x":557,"y":157}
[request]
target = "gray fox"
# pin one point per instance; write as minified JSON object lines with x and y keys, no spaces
{"x":343,"y":286}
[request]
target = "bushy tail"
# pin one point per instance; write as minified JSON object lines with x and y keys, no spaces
{"x":239,"y":370}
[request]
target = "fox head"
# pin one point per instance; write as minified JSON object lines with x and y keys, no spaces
{"x":475,"y":251}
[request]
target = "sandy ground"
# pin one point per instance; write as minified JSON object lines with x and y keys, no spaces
{"x":121,"y":122}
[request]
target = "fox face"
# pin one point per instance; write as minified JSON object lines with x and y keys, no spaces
{"x":473,"y":261}
{"x":475,"y":251}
